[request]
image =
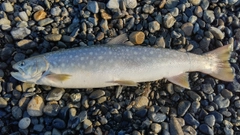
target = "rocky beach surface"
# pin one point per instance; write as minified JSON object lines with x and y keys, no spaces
{"x":29,"y":28}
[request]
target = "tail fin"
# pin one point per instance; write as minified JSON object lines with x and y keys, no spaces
{"x":220,"y":60}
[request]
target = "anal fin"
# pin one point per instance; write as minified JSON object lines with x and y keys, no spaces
{"x":181,"y":80}
{"x":125,"y":82}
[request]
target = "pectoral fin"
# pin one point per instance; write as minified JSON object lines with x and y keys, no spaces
{"x":181,"y":80}
{"x":58,"y":77}
{"x":125,"y":82}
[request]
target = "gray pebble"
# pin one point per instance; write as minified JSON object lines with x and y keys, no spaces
{"x":189,"y":119}
{"x":56,"y":11}
{"x":148,"y":9}
{"x":157,"y":117}
{"x":103,"y":120}
{"x":16,"y":112}
{"x":153,"y":26}
{"x":218,"y":116}
{"x":205,"y":4}
{"x":58,"y":123}
{"x":24,"y":123}
{"x":237,"y":103}
{"x":38,"y":127}
{"x":3,"y":102}
{"x":183,"y":107}
{"x":7,"y":7}
{"x":168,"y":20}
{"x":64,"y":12}
{"x":113,"y":4}
{"x":175,"y":127}
{"x":55,"y":94}
{"x":20,"y":33}
{"x":194,"y":96}
{"x":85,"y":101}
{"x":175,"y":12}
{"x":204,"y":44}
{"x":206,"y":129}
{"x":130,"y":3}
{"x":93,"y":7}
{"x":19,"y":56}
{"x":51,"y":109}
{"x":54,"y":132}
{"x":87,"y":123}
{"x":97,"y":94}
{"x":21,"y":24}
{"x":208,"y":16}
{"x":189,"y":130}
{"x":23,"y":15}
{"x":171,"y":3}
{"x":221,"y":101}
{"x":156,"y":128}
{"x":75,"y":97}
{"x":210,"y":120}
{"x":195,"y":2}
{"x":104,"y":25}
{"x":207,"y":88}
{"x":82,"y":116}
{"x":218,"y":34}
{"x":45,"y":21}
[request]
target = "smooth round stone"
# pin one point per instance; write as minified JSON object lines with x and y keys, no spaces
{"x":54,"y":132}
{"x":44,"y":22}
{"x":51,"y":109}
{"x":87,"y":123}
{"x":7,"y":7}
{"x":131,"y":4}
{"x":208,"y":16}
{"x":153,"y":26}
{"x":168,"y":20}
{"x":198,"y":11}
{"x":148,"y":9}
{"x":56,"y":11}
{"x":22,"y":24}
{"x":75,"y":97}
{"x":53,"y":37}
{"x":58,"y":123}
{"x":104,"y":25}
{"x":97,"y":94}
{"x":209,"y":120}
{"x":189,"y":130}
{"x":156,"y":128}
{"x":39,"y":15}
{"x":16,"y":112}
{"x":237,"y":103}
{"x":20,"y":33}
{"x":221,"y":101}
{"x":3,"y":103}
{"x":195,"y":2}
{"x":141,"y":113}
{"x":93,"y":7}
{"x":189,"y":119}
{"x":35,"y":106}
{"x":171,"y":3}
{"x":24,"y":123}
{"x":157,"y":117}
{"x":183,"y":107}
{"x":175,"y":127}
{"x":187,"y":28}
{"x":160,"y":42}
{"x":218,"y":116}
{"x":194,"y":96}
{"x":137,"y":37}
{"x":82,"y":116}
{"x":113,"y":4}
{"x":175,"y":12}
{"x":5,"y":21}
{"x":206,"y":129}
{"x":218,"y":34}
{"x":38,"y":127}
{"x":141,"y":102}
{"x":55,"y":94}
{"x":207,"y":88}
{"x":23,"y":15}
{"x":205,"y":4}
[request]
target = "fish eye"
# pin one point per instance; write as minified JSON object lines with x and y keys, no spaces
{"x":21,"y":63}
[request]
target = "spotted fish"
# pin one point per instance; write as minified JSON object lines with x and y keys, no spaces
{"x":120,"y":64}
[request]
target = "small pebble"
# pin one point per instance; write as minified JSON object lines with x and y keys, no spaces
{"x":153,"y":26}
{"x":20,"y":33}
{"x":206,"y":129}
{"x":208,"y":16}
{"x":39,"y":15}
{"x":24,"y":123}
{"x":168,"y":20}
{"x":218,"y":34}
{"x":51,"y":109}
{"x":131,"y":4}
{"x":53,"y":37}
{"x":156,"y":128}
{"x":157,"y":117}
{"x":58,"y":123}
{"x":137,"y":37}
{"x":7,"y":7}
{"x":3,"y":102}
{"x":44,"y":22}
{"x":175,"y":128}
{"x":97,"y":94}
{"x":187,"y":28}
{"x":113,"y":4}
{"x":210,"y":120}
{"x":56,"y":11}
{"x":183,"y":107}
{"x":35,"y":106}
{"x":93,"y":7}
{"x":221,"y":101}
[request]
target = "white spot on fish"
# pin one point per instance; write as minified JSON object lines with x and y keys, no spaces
{"x":167,"y":53}
{"x":111,"y":61}
{"x":127,"y":50}
{"x":135,"y":53}
{"x":175,"y":54}
{"x":76,"y":56}
{"x":72,"y":64}
{"x":159,"y":55}
{"x":143,"y":57}
{"x":91,"y":53}
{"x":82,"y":58}
{"x":83,"y":66}
{"x":62,"y":65}
{"x":100,"y":57}
{"x":91,"y":62}
{"x":70,"y":56}
{"x":110,"y":52}
{"x":151,"y":52}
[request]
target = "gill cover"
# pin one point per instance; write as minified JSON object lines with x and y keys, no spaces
{"x":31,"y":69}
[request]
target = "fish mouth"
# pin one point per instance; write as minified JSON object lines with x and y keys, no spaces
{"x":17,"y":73}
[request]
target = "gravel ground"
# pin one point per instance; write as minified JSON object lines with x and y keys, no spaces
{"x":34,"y":27}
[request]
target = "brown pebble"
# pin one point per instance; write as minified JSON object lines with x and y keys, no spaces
{"x":162,"y":4}
{"x":35,"y":106}
{"x":39,"y":15}
{"x":187,"y":28}
{"x":137,"y":37}
{"x":105,"y":15}
{"x":198,"y":11}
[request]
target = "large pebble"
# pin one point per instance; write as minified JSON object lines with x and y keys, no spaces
{"x":195,"y":2}
{"x":198,"y":11}
{"x":26,"y":44}
{"x":157,"y":117}
{"x":208,"y":16}
{"x":218,"y":34}
{"x":206,"y":129}
{"x":23,"y":15}
{"x":93,"y":7}
{"x":3,"y":102}
{"x":218,"y":116}
{"x":44,"y":22}
{"x":5,"y":21}
{"x":7,"y":7}
{"x":153,"y":26}
{"x":130,"y":3}
{"x":56,"y":11}
{"x":20,"y":33}
{"x":175,"y":127}
{"x":183,"y":107}
{"x":113,"y":4}
{"x":51,"y":109}
{"x":137,"y":37}
{"x":58,"y":123}
{"x":189,"y":119}
{"x":55,"y":94}
{"x":53,"y":37}
{"x":39,"y":15}
{"x":24,"y":123}
{"x":168,"y":20}
{"x":210,"y":120}
{"x":187,"y":28}
{"x":97,"y":94}
{"x":35,"y":106}
{"x":221,"y":101}
{"x":156,"y":128}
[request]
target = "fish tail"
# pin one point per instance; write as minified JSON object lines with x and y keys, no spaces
{"x":219,"y":66}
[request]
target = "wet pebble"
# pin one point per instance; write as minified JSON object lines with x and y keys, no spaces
{"x":157,"y":117}
{"x":218,"y":34}
{"x":189,"y":119}
{"x":221,"y":101}
{"x":35,"y":106}
{"x":208,"y":16}
{"x":55,"y":94}
{"x":156,"y":128}
{"x":207,"y":88}
{"x":218,"y":116}
{"x":175,"y":128}
{"x":24,"y":123}
{"x":113,"y":4}
{"x":206,"y":129}
{"x":187,"y":28}
{"x":209,"y":120}
{"x":20,"y":33}
{"x":97,"y":94}
{"x":17,"y":112}
{"x":58,"y":123}
{"x":183,"y":107}
{"x":93,"y":7}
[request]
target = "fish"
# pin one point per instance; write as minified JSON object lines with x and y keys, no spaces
{"x":118,"y":63}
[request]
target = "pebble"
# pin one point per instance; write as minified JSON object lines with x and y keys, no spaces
{"x":20,"y":33}
{"x":218,"y":116}
{"x":183,"y":107}
{"x":56,"y":11}
{"x":58,"y":123}
{"x":7,"y":7}
{"x":38,"y":127}
{"x":198,"y":11}
{"x":23,"y":15}
{"x":53,"y":37}
{"x":195,"y":2}
{"x":75,"y":97}
{"x":5,"y":21}
{"x":16,"y":112}
{"x":206,"y":129}
{"x":140,"y":102}
{"x":187,"y":28}
{"x":237,"y":103}
{"x":137,"y":37}
{"x":105,"y":15}
{"x":207,"y":88}
{"x":171,"y":3}
{"x":3,"y":102}
{"x":44,"y":22}
{"x":153,"y":26}
{"x":87,"y":123}
{"x":26,"y":44}
{"x":35,"y":106}
{"x":93,"y":7}
{"x":221,"y":101}
{"x":210,"y":120}
{"x":175,"y":127}
{"x":113,"y":4}
{"x":148,"y":9}
{"x":157,"y":117}
{"x":131,"y":4}
{"x":156,"y":128}
{"x":51,"y":109}
{"x":97,"y":94}
{"x":208,"y":16}
{"x":189,"y":119}
{"x":218,"y":34}
{"x":189,"y":130}
{"x":104,"y":25}
{"x":39,"y":15}
{"x":194,"y":96}
{"x":24,"y":123}
{"x":168,"y":20}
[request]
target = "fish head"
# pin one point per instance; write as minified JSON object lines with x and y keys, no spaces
{"x":30,"y":70}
